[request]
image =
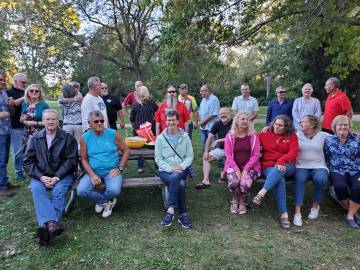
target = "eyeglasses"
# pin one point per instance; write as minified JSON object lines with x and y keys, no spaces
{"x":34,"y":91}
{"x":282,"y":92}
{"x":171,"y":92}
{"x":23,"y":82}
{"x":99,"y":121}
{"x":104,"y":88}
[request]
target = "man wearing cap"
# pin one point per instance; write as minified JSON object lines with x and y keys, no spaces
{"x":279,"y":105}
{"x":191,"y":105}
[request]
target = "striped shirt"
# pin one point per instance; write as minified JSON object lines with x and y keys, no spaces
{"x":140,"y":113}
{"x":302,"y":107}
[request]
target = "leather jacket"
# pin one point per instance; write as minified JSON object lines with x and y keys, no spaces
{"x":59,"y":160}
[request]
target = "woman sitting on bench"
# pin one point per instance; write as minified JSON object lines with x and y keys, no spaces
{"x":342,"y":152}
{"x":174,"y":154}
{"x":99,"y":150}
{"x":242,"y":150}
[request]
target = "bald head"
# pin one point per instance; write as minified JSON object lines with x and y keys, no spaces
{"x":138,"y":84}
{"x":20,"y":81}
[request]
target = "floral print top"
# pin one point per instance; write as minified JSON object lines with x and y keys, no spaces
{"x":343,"y":158}
{"x":29,"y":130}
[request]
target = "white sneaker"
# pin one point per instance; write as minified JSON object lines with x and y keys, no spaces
{"x":297,"y":220}
{"x":314,"y":213}
{"x":108,"y":207}
{"x":99,"y":207}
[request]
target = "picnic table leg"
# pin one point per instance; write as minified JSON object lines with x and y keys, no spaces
{"x":165,"y":194}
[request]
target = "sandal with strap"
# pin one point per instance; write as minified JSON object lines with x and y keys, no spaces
{"x":242,"y":209}
{"x":284,"y":223}
{"x":257,"y":200}
{"x":233,"y":207}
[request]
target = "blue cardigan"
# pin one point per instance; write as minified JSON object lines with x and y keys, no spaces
{"x":39,"y":108}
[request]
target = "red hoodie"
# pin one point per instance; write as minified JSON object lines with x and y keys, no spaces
{"x":278,"y":149}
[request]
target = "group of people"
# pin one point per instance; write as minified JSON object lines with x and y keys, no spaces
{"x":291,"y":146}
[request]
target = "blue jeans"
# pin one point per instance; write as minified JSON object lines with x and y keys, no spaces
{"x":17,"y":135}
{"x":50,"y":208}
{"x":191,"y":128}
{"x":176,"y":184}
{"x":113,"y":186}
{"x":346,"y":186}
{"x":319,"y":177}
{"x":4,"y":158}
{"x":274,"y":178}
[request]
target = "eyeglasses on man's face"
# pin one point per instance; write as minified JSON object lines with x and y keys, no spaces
{"x":99,"y":121}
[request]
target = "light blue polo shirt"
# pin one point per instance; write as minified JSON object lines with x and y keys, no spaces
{"x":209,"y":106}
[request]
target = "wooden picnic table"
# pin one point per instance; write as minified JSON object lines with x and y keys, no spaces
{"x":146,"y":154}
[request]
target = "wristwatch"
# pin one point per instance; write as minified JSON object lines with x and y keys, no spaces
{"x":120,"y":168}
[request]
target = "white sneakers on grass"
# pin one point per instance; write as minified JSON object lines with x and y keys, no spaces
{"x":105,"y":208}
{"x":314,"y":214}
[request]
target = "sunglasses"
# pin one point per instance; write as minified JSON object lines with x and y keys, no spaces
{"x":282,"y":92}
{"x":23,"y":82}
{"x":170,"y":92}
{"x":34,"y":91}
{"x":99,"y":121}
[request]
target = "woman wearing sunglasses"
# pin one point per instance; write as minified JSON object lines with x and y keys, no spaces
{"x":99,"y":150}
{"x":31,"y":111}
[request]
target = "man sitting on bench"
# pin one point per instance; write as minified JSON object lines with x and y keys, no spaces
{"x":99,"y":150}
{"x":50,"y":160}
{"x":219,"y":129}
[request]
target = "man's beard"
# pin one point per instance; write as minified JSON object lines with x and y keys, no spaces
{"x":171,"y":102}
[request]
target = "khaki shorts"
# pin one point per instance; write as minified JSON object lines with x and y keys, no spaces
{"x":217,"y":153}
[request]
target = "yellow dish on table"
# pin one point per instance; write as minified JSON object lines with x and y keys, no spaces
{"x":135,"y":142}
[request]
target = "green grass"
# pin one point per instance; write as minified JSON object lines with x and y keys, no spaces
{"x":132,"y":237}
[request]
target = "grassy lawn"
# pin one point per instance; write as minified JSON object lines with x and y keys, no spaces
{"x":132,"y":237}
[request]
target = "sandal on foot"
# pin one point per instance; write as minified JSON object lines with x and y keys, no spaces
{"x":202,"y":185}
{"x":257,"y":199}
{"x":234,"y":207}
{"x":242,"y":209}
{"x":284,"y":223}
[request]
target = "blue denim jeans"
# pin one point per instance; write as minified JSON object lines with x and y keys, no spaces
{"x":319,"y":177}
{"x":17,"y":135}
{"x":191,"y":128}
{"x":176,"y":185}
{"x":113,"y":186}
{"x":346,"y":186}
{"x":274,"y":178}
{"x":4,"y":158}
{"x":50,"y":208}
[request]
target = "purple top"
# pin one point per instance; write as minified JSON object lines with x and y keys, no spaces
{"x":242,"y":151}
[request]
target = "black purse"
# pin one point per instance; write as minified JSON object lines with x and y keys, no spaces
{"x":189,"y":171}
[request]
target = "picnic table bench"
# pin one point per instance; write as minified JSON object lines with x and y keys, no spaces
{"x":143,"y":153}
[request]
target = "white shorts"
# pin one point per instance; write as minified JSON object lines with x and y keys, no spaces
{"x":217,"y":153}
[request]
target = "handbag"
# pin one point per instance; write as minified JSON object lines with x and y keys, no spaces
{"x":189,"y":171}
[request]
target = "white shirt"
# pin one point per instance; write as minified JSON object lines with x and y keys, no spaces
{"x":89,"y":104}
{"x":302,"y":107}
{"x":249,"y":105}
{"x":311,"y":151}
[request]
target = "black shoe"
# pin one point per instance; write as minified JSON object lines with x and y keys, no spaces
{"x":5,"y":192}
{"x":43,"y":234}
{"x":12,"y":186}
{"x":54,"y":228}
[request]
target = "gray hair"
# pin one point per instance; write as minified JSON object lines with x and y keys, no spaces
{"x":17,"y":76}
{"x":305,"y":85}
{"x":50,"y":111}
{"x":95,"y":113}
{"x":171,"y":113}
{"x":335,"y":81}
{"x":68,"y":90}
{"x":142,"y":94}
{"x":279,"y":88}
{"x":92,"y":81}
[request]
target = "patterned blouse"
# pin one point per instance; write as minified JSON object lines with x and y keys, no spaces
{"x":343,"y":158}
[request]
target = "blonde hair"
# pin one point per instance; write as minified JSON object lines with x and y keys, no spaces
{"x":142,"y":93}
{"x":235,"y":128}
{"x":338,"y":119}
{"x":26,"y":94}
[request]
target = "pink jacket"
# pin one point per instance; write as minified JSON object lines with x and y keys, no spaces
{"x":253,"y":162}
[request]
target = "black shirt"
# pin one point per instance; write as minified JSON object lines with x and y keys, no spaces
{"x":15,"y":119}
{"x":141,"y":113}
{"x":221,"y":130}
{"x":113,"y":105}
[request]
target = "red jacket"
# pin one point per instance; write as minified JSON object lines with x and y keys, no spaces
{"x":278,"y":149}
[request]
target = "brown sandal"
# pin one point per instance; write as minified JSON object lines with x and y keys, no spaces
{"x":257,"y":200}
{"x":284,"y":223}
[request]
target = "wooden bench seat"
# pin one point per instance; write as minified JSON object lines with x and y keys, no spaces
{"x":127,"y":183}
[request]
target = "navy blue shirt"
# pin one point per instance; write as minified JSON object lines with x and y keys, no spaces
{"x":275,"y":109}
